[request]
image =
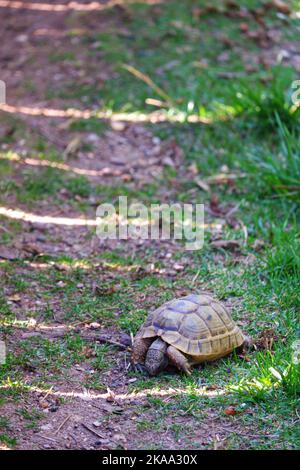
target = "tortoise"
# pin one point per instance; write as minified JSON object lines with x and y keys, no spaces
{"x":186,"y":331}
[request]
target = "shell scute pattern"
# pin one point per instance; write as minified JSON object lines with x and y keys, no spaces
{"x":197,"y":325}
{"x":183,"y":306}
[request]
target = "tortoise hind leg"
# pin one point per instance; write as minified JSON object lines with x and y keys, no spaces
{"x":179,"y":360}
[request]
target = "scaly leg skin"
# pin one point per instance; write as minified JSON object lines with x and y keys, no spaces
{"x":248,"y":343}
{"x":156,"y":359}
{"x":179,"y":360}
{"x":140,"y":348}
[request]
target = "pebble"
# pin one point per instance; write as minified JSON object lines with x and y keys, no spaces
{"x":53,"y":408}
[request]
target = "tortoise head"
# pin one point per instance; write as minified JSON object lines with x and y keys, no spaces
{"x":156,"y":358}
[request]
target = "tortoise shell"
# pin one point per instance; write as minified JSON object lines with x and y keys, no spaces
{"x":197,"y":325}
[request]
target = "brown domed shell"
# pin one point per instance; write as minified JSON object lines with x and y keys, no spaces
{"x":197,"y":325}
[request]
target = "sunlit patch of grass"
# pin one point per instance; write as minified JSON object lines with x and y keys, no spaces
{"x":268,"y":375}
{"x":11,"y":388}
{"x":261,"y":107}
{"x":9,"y":441}
{"x":164,"y":46}
{"x":279,"y":169}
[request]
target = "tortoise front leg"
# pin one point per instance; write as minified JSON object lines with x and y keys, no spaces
{"x":245,"y":346}
{"x":140,"y":348}
{"x":179,"y":360}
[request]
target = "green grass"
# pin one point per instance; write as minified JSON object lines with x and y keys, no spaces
{"x":267,"y":105}
{"x":279,"y":172}
{"x":254,"y":131}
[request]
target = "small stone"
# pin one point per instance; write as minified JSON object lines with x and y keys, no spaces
{"x":46,"y":427}
{"x":22,"y":38}
{"x":118,"y":126}
{"x":53,"y":408}
{"x":94,"y":325}
{"x":178,"y":267}
{"x":125,"y":339}
{"x":44,"y":404}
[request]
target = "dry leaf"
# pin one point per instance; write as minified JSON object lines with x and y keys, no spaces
{"x":94,"y":325}
{"x":97,"y":424}
{"x":111,"y":396}
{"x":244,"y":27}
{"x":31,"y":248}
{"x":193,"y":169}
{"x":104,"y":289}
{"x":280,"y":6}
{"x":203,"y":185}
{"x":138,"y":273}
{"x":167,"y":161}
{"x":15,"y":298}
{"x":226,"y":244}
{"x":197,"y":12}
{"x":230,"y":411}
{"x":223,"y":178}
{"x":266,"y":339}
{"x":44,"y":404}
{"x":72,"y":147}
{"x":178,"y":267}
{"x":8,"y":253}
{"x":258,"y":245}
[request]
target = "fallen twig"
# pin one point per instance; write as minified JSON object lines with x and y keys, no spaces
{"x":48,"y":438}
{"x":48,"y":393}
{"x":62,"y":424}
{"x":286,"y":186}
{"x":149,"y":82}
{"x":195,"y":277}
{"x":5,"y":229}
{"x":93,"y":431}
{"x":104,"y":340}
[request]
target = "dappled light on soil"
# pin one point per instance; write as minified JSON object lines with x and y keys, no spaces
{"x":45,"y":219}
{"x":154,"y":117}
{"x":89,"y":395}
{"x":61,"y":265}
{"x":59,"y":166}
{"x":18,"y":214}
{"x":3,"y":447}
{"x":70,"y":6}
